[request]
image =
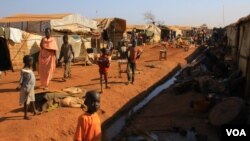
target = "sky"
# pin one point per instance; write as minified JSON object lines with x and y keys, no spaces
{"x":172,"y":12}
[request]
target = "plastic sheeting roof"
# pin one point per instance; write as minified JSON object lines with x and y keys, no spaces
{"x":58,"y":22}
{"x":31,"y":17}
{"x":105,"y":23}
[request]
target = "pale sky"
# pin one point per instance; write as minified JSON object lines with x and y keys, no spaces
{"x":172,"y":12}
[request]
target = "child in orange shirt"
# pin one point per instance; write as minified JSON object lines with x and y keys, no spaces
{"x":89,"y":125}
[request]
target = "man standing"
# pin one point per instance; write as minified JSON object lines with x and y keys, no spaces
{"x":133,"y":53}
{"x":47,"y":58}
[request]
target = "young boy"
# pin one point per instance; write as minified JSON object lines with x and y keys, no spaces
{"x":68,"y":54}
{"x":104,"y":64}
{"x":27,"y":86}
{"x":89,"y":125}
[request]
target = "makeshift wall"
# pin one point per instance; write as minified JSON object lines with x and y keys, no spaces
{"x":244,"y":52}
{"x":32,"y":26}
{"x":244,"y":47}
{"x":33,"y":43}
{"x":116,"y":35}
{"x":17,"y":52}
{"x":232,"y":32}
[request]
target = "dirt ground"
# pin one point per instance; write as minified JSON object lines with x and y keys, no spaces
{"x":176,"y":114}
{"x":60,"y":124}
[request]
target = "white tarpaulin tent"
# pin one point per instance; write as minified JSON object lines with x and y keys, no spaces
{"x":58,"y":22}
{"x":156,"y":31}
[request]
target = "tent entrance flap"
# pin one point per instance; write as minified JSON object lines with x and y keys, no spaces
{"x":5,"y":63}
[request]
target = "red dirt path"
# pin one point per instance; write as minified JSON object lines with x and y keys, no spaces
{"x":59,"y":125}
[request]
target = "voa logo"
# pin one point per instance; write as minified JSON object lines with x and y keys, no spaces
{"x":236,"y":132}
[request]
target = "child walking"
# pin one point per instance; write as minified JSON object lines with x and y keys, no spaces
{"x":133,"y":54}
{"x":67,"y":54}
{"x":104,"y":64}
{"x":89,"y":124}
{"x":27,"y":86}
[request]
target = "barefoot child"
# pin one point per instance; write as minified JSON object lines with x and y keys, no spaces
{"x":104,"y":64}
{"x":133,"y":54}
{"x":27,"y":86}
{"x":89,"y":125}
{"x":67,"y":54}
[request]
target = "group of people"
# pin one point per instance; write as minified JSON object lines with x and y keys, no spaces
{"x":47,"y":65}
{"x":132,"y":54}
{"x":89,"y":126}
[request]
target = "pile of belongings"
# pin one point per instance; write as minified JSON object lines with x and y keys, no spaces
{"x":216,"y":80}
{"x":209,"y":73}
{"x":68,"y":97}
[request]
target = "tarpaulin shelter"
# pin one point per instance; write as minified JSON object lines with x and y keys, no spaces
{"x":35,"y":23}
{"x":114,"y":27}
{"x":31,"y":27}
{"x":154,"y":32}
{"x":238,"y":37}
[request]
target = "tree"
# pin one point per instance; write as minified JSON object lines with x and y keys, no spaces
{"x":149,"y":17}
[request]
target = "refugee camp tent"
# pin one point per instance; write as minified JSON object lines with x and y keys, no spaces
{"x":35,"y":23}
{"x":154,"y":32}
{"x":114,"y":27}
{"x":30,"y":28}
